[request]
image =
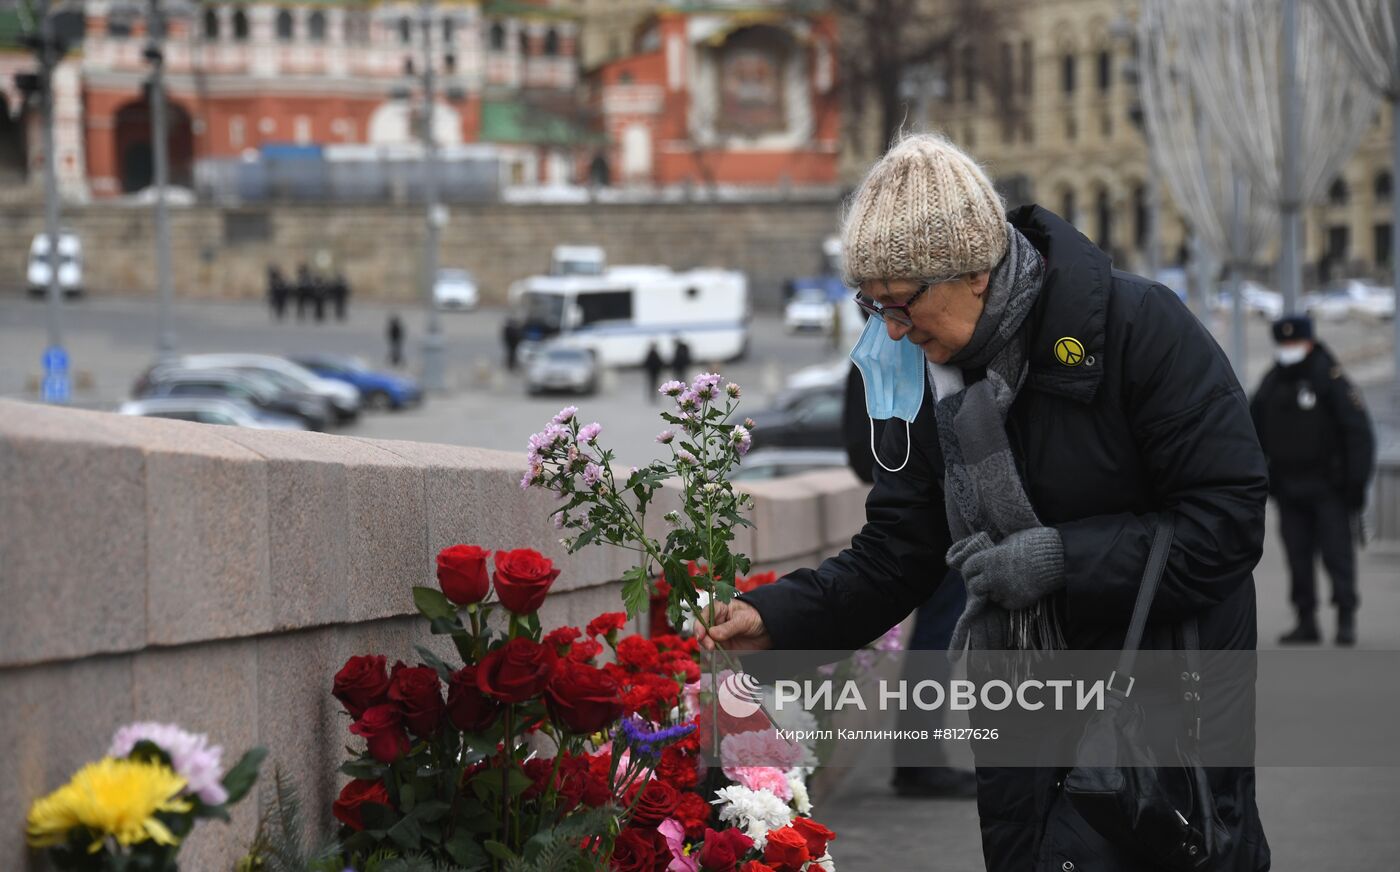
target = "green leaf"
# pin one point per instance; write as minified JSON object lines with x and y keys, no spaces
{"x":498,"y":850}
{"x":518,"y":782}
{"x":406,"y":834}
{"x":427,"y":656}
{"x":406,"y":796}
{"x":587,"y":536}
{"x":636,"y":591}
{"x":431,"y":810}
{"x":433,"y":603}
{"x":377,"y":816}
{"x":464,"y":850}
{"x":239,"y":780}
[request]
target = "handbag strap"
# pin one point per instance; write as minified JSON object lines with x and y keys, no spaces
{"x":1151,"y":576}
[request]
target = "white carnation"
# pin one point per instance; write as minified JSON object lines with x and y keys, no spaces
{"x":801,"y":800}
{"x":757,"y":811}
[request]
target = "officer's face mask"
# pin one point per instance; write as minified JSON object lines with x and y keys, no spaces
{"x":1291,"y":354}
{"x":893,"y":372}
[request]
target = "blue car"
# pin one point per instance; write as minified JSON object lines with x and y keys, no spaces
{"x":381,"y":390}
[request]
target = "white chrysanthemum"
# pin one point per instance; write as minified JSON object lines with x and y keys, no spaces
{"x":801,"y":800}
{"x":827,"y":863}
{"x":757,"y":811}
{"x":688,"y":622}
{"x":191,"y":756}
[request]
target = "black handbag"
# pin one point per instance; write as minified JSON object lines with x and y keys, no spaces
{"x":1162,"y":809}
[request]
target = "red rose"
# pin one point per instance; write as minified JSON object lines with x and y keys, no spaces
{"x":461,"y":573}
{"x":471,"y":711}
{"x":523,"y":577}
{"x":755,"y":866}
{"x":562,"y":636}
{"x":418,"y":692}
{"x":722,"y":850}
{"x":786,"y":849}
{"x":640,"y":851}
{"x":516,"y":671}
{"x":382,"y":727}
{"x":816,"y":835}
{"x":585,"y":650}
{"x":582,"y":698}
{"x":607,"y":622}
{"x":354,"y":795}
{"x":656,"y":803}
{"x":677,"y":768}
{"x":639,"y":654}
{"x":693,"y":812}
{"x":362,"y":682}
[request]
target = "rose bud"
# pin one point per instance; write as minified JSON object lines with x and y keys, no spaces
{"x":461,"y":573}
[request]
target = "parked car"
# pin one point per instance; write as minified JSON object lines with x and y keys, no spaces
{"x":809,"y":309}
{"x":804,"y":419}
{"x":379,"y":390}
{"x":769,"y":463}
{"x":70,"y":264}
{"x":1258,"y":300}
{"x":455,"y":289}
{"x":206,"y":410}
{"x":1348,"y":297}
{"x":173,"y":382}
{"x":344,"y":398}
{"x":562,"y":368}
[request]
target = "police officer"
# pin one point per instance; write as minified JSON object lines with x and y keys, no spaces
{"x":1318,"y":441}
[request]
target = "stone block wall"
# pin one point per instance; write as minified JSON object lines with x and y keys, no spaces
{"x":224,"y":253}
{"x":218,"y":577}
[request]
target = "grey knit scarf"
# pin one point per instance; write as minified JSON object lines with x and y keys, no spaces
{"x":983,"y":491}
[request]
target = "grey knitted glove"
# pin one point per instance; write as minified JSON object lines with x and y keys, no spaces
{"x":1018,"y":571}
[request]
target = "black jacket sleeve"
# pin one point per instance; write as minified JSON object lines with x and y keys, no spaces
{"x":1191,"y":426}
{"x":1358,"y":440}
{"x":892,"y":565}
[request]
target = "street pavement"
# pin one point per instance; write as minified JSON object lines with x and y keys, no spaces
{"x":1315,"y":818}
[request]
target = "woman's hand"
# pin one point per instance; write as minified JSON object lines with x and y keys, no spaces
{"x":734,"y":626}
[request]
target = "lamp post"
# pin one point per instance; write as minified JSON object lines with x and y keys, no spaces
{"x":55,"y":384}
{"x":155,"y":56}
{"x":434,"y":365}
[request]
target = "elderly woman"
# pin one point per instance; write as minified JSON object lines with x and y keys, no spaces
{"x":1068,"y":406}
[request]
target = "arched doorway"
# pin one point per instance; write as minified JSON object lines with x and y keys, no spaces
{"x":12,"y":145}
{"x":135,"y":160}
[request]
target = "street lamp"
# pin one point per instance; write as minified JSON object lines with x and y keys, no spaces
{"x":154,"y":54}
{"x":435,"y":215}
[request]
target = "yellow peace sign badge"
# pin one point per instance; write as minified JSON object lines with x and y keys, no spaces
{"x":1069,"y":351}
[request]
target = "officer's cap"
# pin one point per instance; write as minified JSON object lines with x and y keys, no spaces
{"x":1293,"y":328}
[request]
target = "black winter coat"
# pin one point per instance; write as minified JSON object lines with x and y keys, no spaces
{"x":1152,"y":420}
{"x":1315,"y":431}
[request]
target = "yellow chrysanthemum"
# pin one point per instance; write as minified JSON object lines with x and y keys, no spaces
{"x":117,"y":798}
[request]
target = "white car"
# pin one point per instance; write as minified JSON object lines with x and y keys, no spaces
{"x":1258,"y":300}
{"x":208,"y":410}
{"x":1351,"y":297}
{"x":455,"y":289}
{"x":70,"y":264}
{"x":344,"y":398}
{"x":562,"y":368}
{"x":809,"y":309}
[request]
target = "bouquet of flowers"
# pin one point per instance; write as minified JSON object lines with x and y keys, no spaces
{"x":132,"y":809}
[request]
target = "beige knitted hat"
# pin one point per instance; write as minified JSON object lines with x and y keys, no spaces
{"x":925,"y":210}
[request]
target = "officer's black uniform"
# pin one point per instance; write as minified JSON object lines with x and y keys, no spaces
{"x":1318,"y":441}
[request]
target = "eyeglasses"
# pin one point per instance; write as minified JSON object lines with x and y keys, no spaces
{"x":898,"y":314}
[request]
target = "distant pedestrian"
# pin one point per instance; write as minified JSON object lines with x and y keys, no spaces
{"x":510,"y":339}
{"x":276,"y":291}
{"x":1317,"y":437}
{"x":304,"y":290}
{"x":320,"y":290}
{"x":680,"y":360}
{"x":340,"y":295}
{"x":653,"y":364}
{"x":395,"y":335}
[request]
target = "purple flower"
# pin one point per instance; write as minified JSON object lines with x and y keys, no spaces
{"x":748,"y":422}
{"x":665,"y":436}
{"x":733,"y":390}
{"x":558,"y":519}
{"x":742,"y":439}
{"x":686,"y":457}
{"x":592,"y":474}
{"x":688,"y":400}
{"x":532,"y":476}
{"x":565,"y":415}
{"x":672,"y":388}
{"x":589,"y":432}
{"x":706,"y":380}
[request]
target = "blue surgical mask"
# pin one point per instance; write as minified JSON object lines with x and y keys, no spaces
{"x":893,"y":372}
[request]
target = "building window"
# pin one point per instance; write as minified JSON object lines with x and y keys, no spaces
{"x":449,"y":30}
{"x":1027,"y":68}
{"x":1140,"y":218}
{"x":1067,"y":205}
{"x":302,"y":130}
{"x":1383,"y":185}
{"x":1105,"y":71}
{"x":1337,"y":193}
{"x":969,"y":69}
{"x":1103,"y":209}
{"x":1067,"y":74}
{"x":211,"y":24}
{"x":1071,"y":128}
{"x":1106,"y":125}
{"x":405,"y":30}
{"x":523,"y":41}
{"x":970,"y":136}
{"x":498,"y":37}
{"x":1382,"y":240}
{"x":316,"y":26}
{"x":236,"y":132}
{"x":625,"y":77}
{"x":240,"y":25}
{"x":286,"y":27}
{"x":1027,"y":131}
{"x":118,"y":23}
{"x":551,"y":43}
